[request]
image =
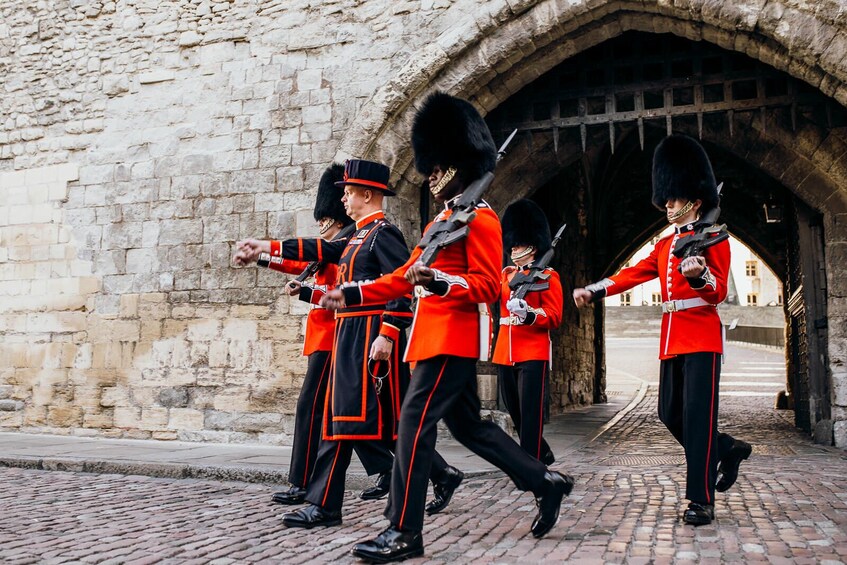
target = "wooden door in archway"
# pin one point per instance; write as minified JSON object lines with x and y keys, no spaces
{"x":808,"y":373}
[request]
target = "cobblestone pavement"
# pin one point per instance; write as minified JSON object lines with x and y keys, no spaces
{"x":789,"y":506}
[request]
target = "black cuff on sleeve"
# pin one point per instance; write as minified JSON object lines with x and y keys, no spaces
{"x":698,"y":282}
{"x":530,"y":319}
{"x":597,"y":295}
{"x":439,"y":287}
{"x":306,"y":293}
{"x":352,"y":295}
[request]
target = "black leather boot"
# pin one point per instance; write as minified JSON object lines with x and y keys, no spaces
{"x":311,"y":516}
{"x":380,"y":489}
{"x":443,"y":490}
{"x":728,"y":467}
{"x":294,"y":495}
{"x":699,"y":514}
{"x":390,"y":545}
{"x":549,"y":501}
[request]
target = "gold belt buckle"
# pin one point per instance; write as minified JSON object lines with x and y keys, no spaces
{"x":671,"y":306}
{"x":513,"y":320}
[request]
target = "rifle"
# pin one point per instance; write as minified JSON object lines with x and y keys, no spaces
{"x":522,"y":283}
{"x":706,"y":234}
{"x":455,"y":228}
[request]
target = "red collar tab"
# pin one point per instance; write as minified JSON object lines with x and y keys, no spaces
{"x":372,"y":217}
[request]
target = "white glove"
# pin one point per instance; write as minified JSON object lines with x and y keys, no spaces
{"x":518,"y":308}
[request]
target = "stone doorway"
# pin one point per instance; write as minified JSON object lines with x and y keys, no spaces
{"x":800,"y":155}
{"x":587,"y":130}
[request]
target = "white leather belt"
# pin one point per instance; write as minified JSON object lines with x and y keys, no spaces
{"x":685,"y":304}
{"x":484,"y":332}
{"x":421,"y":292}
{"x":510,"y":321}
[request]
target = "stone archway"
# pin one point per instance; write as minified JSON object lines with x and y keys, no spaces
{"x":491,"y":55}
{"x":489,"y":60}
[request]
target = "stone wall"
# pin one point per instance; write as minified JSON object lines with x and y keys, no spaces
{"x":175,"y":128}
{"x":140,"y":138}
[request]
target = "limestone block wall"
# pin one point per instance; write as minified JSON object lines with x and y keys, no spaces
{"x":154,"y":365}
{"x":139,"y":139}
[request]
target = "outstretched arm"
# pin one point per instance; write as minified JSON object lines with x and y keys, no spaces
{"x":645,"y":270}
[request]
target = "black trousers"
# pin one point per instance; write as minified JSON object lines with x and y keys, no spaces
{"x":523,"y":388}
{"x":375,"y":457}
{"x":445,"y":387}
{"x":688,"y":406}
{"x":326,"y":488}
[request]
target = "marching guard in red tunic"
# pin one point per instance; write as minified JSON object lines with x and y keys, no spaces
{"x":376,"y":458}
{"x":367,"y":377}
{"x":691,"y":338}
{"x":453,"y":147}
{"x":523,"y":351}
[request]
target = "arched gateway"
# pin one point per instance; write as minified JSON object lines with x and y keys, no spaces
{"x":593,"y":87}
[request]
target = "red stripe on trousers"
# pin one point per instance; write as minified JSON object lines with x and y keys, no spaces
{"x":541,"y":412}
{"x":711,"y":423}
{"x":331,"y":473}
{"x":307,"y":471}
{"x":415,"y":445}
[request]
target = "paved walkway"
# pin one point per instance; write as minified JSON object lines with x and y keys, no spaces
{"x":264,"y":464}
{"x":789,"y":505}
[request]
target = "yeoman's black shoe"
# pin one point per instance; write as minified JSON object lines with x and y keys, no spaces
{"x":380,"y":488}
{"x":294,"y":495}
{"x":390,"y":545}
{"x":549,"y":501}
{"x":311,"y":516}
{"x":443,"y":490}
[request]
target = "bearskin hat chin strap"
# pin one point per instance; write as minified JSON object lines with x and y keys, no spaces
{"x":681,"y":212}
{"x":445,"y":180}
{"x":518,"y":256}
{"x":325,"y":225}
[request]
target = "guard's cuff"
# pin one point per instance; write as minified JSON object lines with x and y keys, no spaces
{"x":439,"y":287}
{"x":306,"y":293}
{"x":706,"y":278}
{"x":389,"y":331}
{"x":596,"y":295}
{"x":275,"y":263}
{"x":352,"y":294}
{"x":598,"y":290}
{"x":530,"y":319}
{"x":276,"y":248}
{"x":442,"y":282}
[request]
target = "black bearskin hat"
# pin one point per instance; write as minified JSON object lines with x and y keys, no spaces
{"x":328,"y":202}
{"x":449,"y":132}
{"x":524,"y":223}
{"x":682,"y":170}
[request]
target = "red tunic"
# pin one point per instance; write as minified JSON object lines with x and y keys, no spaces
{"x":466,"y":274}
{"x":518,"y":342}
{"x":693,"y":330}
{"x":320,"y":323}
